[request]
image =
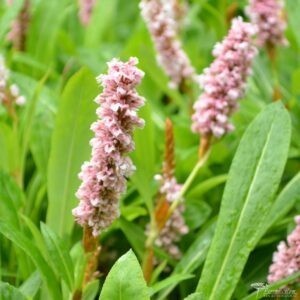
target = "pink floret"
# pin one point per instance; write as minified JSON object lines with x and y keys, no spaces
{"x":286,"y":260}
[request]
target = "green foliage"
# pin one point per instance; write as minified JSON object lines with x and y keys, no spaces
{"x":70,"y":148}
{"x":59,"y":256}
{"x":252,"y":183}
{"x":31,"y":286}
{"x":125,"y":280}
{"x":11,"y":199}
{"x":24,"y":243}
{"x":9,"y":292}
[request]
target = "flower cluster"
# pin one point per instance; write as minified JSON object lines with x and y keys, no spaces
{"x":268,"y":16}
{"x":85,"y":10}
{"x":175,"y":226}
{"x":104,"y":176}
{"x":163,"y":19}
{"x":286,"y":260}
{"x":224,"y":82}
{"x":9,"y":93}
{"x":19,"y":27}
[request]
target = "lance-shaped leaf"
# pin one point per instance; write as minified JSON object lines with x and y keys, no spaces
{"x":70,"y":148}
{"x":125,"y":280}
{"x":252,"y":183}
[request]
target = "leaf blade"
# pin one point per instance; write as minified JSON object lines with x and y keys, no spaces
{"x":69,"y":149}
{"x":59,"y":254}
{"x":125,"y":280}
{"x":18,"y":238}
{"x":252,"y":183}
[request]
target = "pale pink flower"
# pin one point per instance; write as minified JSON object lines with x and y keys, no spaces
{"x":286,"y":260}
{"x":9,"y":93}
{"x":85,"y":10}
{"x":104,"y":176}
{"x":163,"y":18}
{"x":224,"y":82}
{"x":19,"y":27}
{"x":268,"y":16}
{"x":175,"y":227}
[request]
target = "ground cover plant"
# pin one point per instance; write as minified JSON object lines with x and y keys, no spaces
{"x":149,"y":149}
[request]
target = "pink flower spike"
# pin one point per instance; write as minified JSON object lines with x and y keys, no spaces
{"x":9,"y":93}
{"x":286,"y":261}
{"x":224,"y":82}
{"x":163,"y":21}
{"x":104,"y":176}
{"x":268,"y":16}
{"x":85,"y":10}
{"x":19,"y":27}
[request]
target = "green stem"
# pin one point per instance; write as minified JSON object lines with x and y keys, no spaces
{"x":188,"y":182}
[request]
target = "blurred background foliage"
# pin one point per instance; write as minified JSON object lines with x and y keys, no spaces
{"x":40,"y":160}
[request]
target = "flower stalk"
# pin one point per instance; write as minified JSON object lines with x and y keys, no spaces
{"x":104,"y":176}
{"x":92,"y":249}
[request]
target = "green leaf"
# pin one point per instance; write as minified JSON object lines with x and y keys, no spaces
{"x":131,"y":212}
{"x":36,"y":235}
{"x":206,"y":186}
{"x":9,"y":292}
{"x":144,"y":157}
{"x":135,"y":236}
{"x":171,"y":280}
{"x":70,"y":148}
{"x":194,"y":296}
{"x":282,"y":205}
{"x":125,"y":280}
{"x":44,"y":29}
{"x":40,"y":140}
{"x":196,"y":213}
{"x":59,"y":255}
{"x":292,"y":11}
{"x":252,"y":183}
{"x":90,"y":290}
{"x":11,"y":199}
{"x":101,"y":20}
{"x":21,"y":241}
{"x":11,"y":202}
{"x":28,"y":119}
{"x":285,"y":201}
{"x":30,"y":287}
{"x":79,"y":261}
{"x":9,"y":150}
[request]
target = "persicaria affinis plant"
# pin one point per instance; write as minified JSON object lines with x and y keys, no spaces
{"x":104,"y":176}
{"x":163,"y":21}
{"x":269,"y":17}
{"x":224,"y":82}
